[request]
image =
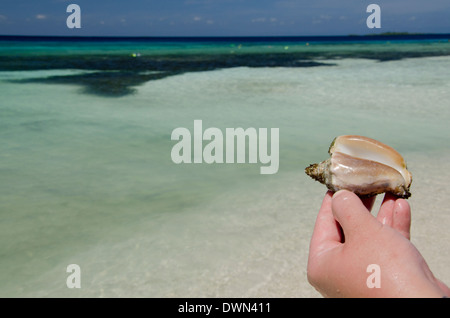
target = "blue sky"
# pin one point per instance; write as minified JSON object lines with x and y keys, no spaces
{"x":221,"y":17}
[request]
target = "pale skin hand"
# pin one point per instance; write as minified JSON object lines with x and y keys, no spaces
{"x":347,"y":239}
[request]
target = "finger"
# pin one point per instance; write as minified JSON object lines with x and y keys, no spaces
{"x":402,"y":218}
{"x":326,"y":230}
{"x":443,"y":287}
{"x":352,"y":215}
{"x":395,"y":213}
{"x":386,"y":213}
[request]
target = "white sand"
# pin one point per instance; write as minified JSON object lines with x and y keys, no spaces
{"x":279,"y":270}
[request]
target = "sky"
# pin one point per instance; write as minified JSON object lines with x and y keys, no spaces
{"x":221,"y":17}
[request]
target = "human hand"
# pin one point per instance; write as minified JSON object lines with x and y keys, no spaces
{"x":347,"y":239}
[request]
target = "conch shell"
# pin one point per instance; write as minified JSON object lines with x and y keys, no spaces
{"x":363,"y":165}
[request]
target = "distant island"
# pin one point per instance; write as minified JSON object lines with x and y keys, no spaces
{"x":394,"y":33}
{"x":388,"y":34}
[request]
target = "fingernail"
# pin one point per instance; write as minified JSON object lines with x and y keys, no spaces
{"x":339,"y":193}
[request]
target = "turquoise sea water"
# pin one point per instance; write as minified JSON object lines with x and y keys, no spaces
{"x":87,"y":177}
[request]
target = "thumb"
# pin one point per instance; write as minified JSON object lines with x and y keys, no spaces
{"x":352,"y":215}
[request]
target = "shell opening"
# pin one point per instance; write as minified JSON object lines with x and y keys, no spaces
{"x":370,"y":149}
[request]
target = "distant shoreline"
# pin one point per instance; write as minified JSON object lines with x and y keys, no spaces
{"x":323,"y":38}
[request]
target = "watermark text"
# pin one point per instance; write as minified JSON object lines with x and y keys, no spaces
{"x":230,"y":147}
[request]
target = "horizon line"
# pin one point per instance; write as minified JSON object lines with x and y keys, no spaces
{"x":389,"y":34}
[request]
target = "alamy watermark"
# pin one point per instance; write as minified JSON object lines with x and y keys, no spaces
{"x":374,"y":279}
{"x":373,"y":20}
{"x":74,"y":19}
{"x":230,"y":147}
{"x":74,"y":279}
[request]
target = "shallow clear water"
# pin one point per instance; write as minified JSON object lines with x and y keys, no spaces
{"x":88,"y":179}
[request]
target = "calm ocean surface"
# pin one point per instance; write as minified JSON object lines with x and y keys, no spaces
{"x":85,"y":143}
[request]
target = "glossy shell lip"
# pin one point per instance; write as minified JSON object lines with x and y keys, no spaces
{"x":364,"y":166}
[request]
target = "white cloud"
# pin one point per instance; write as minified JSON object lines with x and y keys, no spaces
{"x":321,"y":18}
{"x":259,"y":20}
{"x":41,"y":16}
{"x":325,"y":17}
{"x":263,"y":20}
{"x":197,"y":2}
{"x":197,"y":18}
